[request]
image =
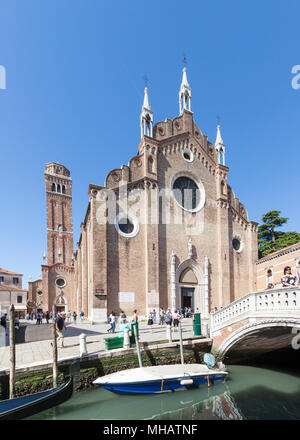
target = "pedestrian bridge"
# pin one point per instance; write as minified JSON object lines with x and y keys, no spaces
{"x":259,"y":322}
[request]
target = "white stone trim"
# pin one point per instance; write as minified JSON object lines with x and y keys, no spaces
{"x":241,"y":240}
{"x":200,"y":185}
{"x":189,"y":151}
{"x":133,"y":219}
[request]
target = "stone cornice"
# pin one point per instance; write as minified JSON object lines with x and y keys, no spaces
{"x":47,"y":268}
{"x":288,"y":250}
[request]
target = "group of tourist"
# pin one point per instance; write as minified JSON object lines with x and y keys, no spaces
{"x":167,"y":317}
{"x":113,"y":320}
{"x":39,"y":316}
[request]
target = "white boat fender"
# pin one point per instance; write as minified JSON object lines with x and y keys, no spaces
{"x":186,"y":382}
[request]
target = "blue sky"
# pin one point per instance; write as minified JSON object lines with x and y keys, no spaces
{"x":75,"y":89}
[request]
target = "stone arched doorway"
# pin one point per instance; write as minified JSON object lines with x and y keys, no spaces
{"x":192,"y":287}
{"x":187,"y":285}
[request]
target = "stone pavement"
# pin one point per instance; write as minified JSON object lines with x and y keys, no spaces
{"x":35,"y":353}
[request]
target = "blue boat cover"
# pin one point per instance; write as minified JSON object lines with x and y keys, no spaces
{"x":210,"y":360}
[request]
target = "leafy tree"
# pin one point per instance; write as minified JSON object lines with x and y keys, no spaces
{"x":270,"y":240}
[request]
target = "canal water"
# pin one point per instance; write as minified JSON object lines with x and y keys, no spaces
{"x":250,"y":392}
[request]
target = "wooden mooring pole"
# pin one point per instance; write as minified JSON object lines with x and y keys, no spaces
{"x":137,"y":342}
{"x":181,"y":344}
{"x":54,"y":346}
{"x":12,"y":348}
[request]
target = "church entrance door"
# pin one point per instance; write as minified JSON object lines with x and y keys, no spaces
{"x":60,"y":309}
{"x":187,"y":297}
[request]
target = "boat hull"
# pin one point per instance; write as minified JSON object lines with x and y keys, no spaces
{"x":26,"y":406}
{"x":162,"y":385}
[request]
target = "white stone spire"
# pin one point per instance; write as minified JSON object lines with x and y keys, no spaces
{"x":146,"y":117}
{"x":185,"y":93}
{"x":220,"y":147}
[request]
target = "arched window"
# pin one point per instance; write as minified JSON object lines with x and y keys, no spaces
{"x":223,"y":188}
{"x":63,"y":189}
{"x":269,"y":277}
{"x":53,"y":187}
{"x":150,"y":165}
{"x":58,"y":188}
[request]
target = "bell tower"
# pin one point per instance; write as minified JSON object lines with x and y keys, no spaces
{"x":59,"y":214}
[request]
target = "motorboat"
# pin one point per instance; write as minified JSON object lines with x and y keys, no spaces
{"x":163,"y":378}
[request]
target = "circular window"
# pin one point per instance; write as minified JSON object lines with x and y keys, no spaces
{"x":126,"y":225}
{"x":60,"y":282}
{"x":237,"y":243}
{"x":40,"y":293}
{"x":188,"y":194}
{"x":188,"y":155}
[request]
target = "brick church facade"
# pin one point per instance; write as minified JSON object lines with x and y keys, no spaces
{"x":166,"y":230}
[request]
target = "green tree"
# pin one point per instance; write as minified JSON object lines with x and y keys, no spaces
{"x":271,"y":240}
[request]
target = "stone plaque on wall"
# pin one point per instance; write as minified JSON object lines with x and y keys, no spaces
{"x":126,"y":297}
{"x":153,"y":298}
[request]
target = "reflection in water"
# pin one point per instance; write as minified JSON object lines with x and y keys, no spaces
{"x":218,"y":407}
{"x":225,"y":407}
{"x":248,"y":393}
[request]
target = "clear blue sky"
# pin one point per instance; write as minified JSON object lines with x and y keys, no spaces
{"x":75,"y":87}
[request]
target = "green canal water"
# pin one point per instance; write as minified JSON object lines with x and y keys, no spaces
{"x":253,"y":393}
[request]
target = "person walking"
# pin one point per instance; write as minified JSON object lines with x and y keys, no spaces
{"x":176,"y":318}
{"x":74,"y":317}
{"x":17,"y":322}
{"x":50,"y":315}
{"x":135,"y":317}
{"x":161,"y":316}
{"x":81,"y":315}
{"x":150,"y":320}
{"x":154,"y":316}
{"x":60,"y":327}
{"x":168,"y":317}
{"x":112,"y":320}
{"x":37,"y":316}
{"x":47,"y":317}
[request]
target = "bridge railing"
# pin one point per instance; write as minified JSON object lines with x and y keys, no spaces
{"x":271,"y":302}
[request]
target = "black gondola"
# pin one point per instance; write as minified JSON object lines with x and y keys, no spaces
{"x":26,"y":406}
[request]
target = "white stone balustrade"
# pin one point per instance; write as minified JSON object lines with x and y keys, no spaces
{"x":277,"y":302}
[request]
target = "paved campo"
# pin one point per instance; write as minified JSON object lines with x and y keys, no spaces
{"x":34,"y":353}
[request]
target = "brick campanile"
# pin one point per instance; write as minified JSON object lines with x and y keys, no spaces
{"x":59,"y":214}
